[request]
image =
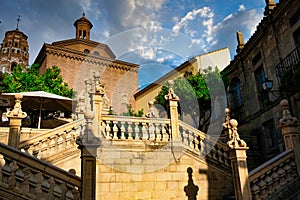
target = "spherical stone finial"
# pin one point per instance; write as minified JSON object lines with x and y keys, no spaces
{"x":170,"y":83}
{"x":227,"y":110}
{"x":18,"y":96}
{"x":233,"y":123}
{"x":89,"y":114}
{"x":284,"y":103}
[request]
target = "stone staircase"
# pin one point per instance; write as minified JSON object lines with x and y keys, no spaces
{"x":26,"y":177}
{"x":276,"y":179}
{"x":55,"y":144}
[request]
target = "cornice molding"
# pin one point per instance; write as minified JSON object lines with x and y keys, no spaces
{"x":96,"y":60}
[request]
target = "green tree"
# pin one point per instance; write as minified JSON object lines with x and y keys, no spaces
{"x":195,"y":92}
{"x":31,"y":80}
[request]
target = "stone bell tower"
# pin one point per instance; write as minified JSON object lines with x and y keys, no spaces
{"x":14,"y":50}
{"x":83,"y":27}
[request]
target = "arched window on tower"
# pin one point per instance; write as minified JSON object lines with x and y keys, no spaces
{"x":80,"y":34}
{"x":13,"y":65}
{"x":86,"y":51}
{"x":235,"y":90}
{"x":84,"y":34}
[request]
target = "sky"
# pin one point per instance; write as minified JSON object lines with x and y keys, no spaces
{"x":156,"y":34}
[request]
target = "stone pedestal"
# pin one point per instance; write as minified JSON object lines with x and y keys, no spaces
{"x":289,"y":128}
{"x":88,"y":144}
{"x":173,"y":107}
{"x":237,"y":154}
{"x":15,"y":121}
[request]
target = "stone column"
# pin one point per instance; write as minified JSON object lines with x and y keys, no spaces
{"x":15,"y":121}
{"x":237,"y":154}
{"x":289,"y":128}
{"x":88,"y":144}
{"x":98,"y":96}
{"x":173,"y":107}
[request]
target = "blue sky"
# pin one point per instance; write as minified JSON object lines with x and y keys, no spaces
{"x":157,"y":34}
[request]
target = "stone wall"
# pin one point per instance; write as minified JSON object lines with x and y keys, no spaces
{"x":157,"y":174}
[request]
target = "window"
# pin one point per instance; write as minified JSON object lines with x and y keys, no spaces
{"x":86,"y":51}
{"x":96,"y":53}
{"x":295,"y":18}
{"x":296,"y":36}
{"x":256,"y":59}
{"x":260,"y":78}
{"x":235,"y":89}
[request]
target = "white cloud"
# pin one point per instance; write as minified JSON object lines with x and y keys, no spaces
{"x":204,"y":12}
{"x":242,"y":7}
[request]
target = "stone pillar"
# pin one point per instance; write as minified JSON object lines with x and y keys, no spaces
{"x":289,"y":128}
{"x":98,"y":96}
{"x":173,"y":107}
{"x":237,"y":154}
{"x":88,"y":144}
{"x":15,"y":121}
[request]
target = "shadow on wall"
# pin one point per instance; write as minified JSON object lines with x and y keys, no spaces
{"x":191,"y":190}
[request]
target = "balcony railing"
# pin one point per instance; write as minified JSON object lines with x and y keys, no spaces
{"x":287,"y":65}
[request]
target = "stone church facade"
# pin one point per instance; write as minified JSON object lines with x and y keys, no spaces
{"x":80,"y":58}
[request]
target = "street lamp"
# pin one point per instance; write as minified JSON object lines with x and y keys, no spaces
{"x":267,"y":85}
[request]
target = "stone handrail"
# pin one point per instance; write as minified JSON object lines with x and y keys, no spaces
{"x":202,"y":143}
{"x":49,"y":142}
{"x":273,"y":175}
{"x":135,"y":128}
{"x":27,"y":177}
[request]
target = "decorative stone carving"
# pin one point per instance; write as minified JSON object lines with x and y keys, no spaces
{"x":151,"y":113}
{"x":235,"y":140}
{"x":17,"y":111}
{"x":171,"y":95}
{"x":287,"y":119}
{"x":99,"y":87}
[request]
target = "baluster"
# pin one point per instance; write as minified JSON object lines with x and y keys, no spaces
{"x":226,"y":158}
{"x":196,"y":143}
{"x":269,"y":182}
{"x":144,"y":131}
{"x":214,"y":153}
{"x":288,"y":171}
{"x":108,"y":130}
{"x":63,"y":188}
{"x":19,"y":176}
{"x":281,"y":174}
{"x":129,"y":129}
{"x":158,"y":135}
{"x":25,"y":184}
{"x":115,"y":130}
{"x":262,"y":187}
{"x":191,"y":139}
{"x":201,"y":145}
{"x":151,"y":131}
{"x":220,"y":155}
{"x":275,"y":178}
{"x":136,"y":131}
{"x":39,"y":179}
{"x":255,"y":190}
{"x":123,"y":130}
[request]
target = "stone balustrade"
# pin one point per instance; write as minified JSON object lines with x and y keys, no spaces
{"x":273,"y":175}
{"x":23,"y":176}
{"x":50,"y":142}
{"x":203,"y":144}
{"x":135,"y":128}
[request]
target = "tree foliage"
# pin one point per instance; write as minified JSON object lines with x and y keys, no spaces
{"x":31,"y":80}
{"x":195,"y":92}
